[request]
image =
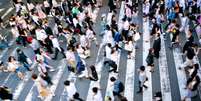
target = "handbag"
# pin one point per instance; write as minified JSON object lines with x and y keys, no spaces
{"x":137,"y":37}
{"x":29,"y":61}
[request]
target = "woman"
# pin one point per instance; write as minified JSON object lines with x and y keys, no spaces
{"x":40,"y":12}
{"x":142,"y":79}
{"x":129,"y":47}
{"x":92,"y":74}
{"x":14,"y":66}
{"x":71,"y":61}
{"x":150,"y":59}
{"x":41,"y":87}
{"x":42,"y":55}
{"x":42,"y":68}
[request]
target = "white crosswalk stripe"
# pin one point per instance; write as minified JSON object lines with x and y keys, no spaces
{"x":147,"y":93}
{"x":164,"y":73}
{"x":129,"y":74}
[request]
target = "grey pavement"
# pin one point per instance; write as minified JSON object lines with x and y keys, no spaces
{"x":29,"y":90}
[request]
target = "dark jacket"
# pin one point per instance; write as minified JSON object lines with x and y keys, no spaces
{"x":157,"y":44}
{"x":190,"y":53}
{"x":22,"y":57}
{"x":5,"y":94}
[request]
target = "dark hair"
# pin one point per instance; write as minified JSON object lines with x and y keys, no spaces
{"x":18,"y":50}
{"x":112,"y":79}
{"x":67,"y":82}
{"x":142,"y":68}
{"x":95,"y":89}
{"x":34,"y":76}
{"x":92,"y":68}
{"x":10,"y":57}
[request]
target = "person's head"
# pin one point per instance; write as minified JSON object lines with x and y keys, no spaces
{"x":11,"y":59}
{"x":67,"y":83}
{"x":34,"y":76}
{"x":76,"y":95}
{"x":113,"y":79}
{"x":109,"y":45}
{"x":151,"y":50}
{"x":95,"y":90}
{"x":196,"y":66}
{"x":1,"y":63}
{"x":93,"y":68}
{"x":142,"y":68}
{"x":19,"y":50}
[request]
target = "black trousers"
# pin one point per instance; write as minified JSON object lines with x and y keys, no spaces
{"x":141,"y":87}
{"x":57,"y":51}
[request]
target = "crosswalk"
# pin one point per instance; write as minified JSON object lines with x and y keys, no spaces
{"x":30,"y":93}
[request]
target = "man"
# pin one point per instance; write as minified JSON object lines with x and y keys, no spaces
{"x":142,"y":78}
{"x":112,"y":5}
{"x":70,"y":89}
{"x":22,"y":58}
{"x":57,"y":47}
{"x":157,"y":45}
{"x":118,"y":86}
{"x":97,"y":94}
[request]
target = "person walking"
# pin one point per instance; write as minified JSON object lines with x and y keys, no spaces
{"x":22,"y":58}
{"x":41,"y":87}
{"x":5,"y":93}
{"x":157,"y":45}
{"x":142,"y":79}
{"x":70,"y":89}
{"x":97,"y":94}
{"x":57,"y":47}
{"x":118,"y":86}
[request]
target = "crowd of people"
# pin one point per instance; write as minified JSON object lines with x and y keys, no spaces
{"x":74,"y":20}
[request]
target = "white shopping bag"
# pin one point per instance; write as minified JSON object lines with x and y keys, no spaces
{"x":29,"y":61}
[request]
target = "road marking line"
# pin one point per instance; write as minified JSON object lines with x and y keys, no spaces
{"x":56,"y":79}
{"x":130,"y":76}
{"x":110,"y":85}
{"x":147,"y":94}
{"x":7,"y":78}
{"x":5,"y":50}
{"x":120,"y":22}
{"x":21,"y":85}
{"x":7,"y":12}
{"x":2,"y":9}
{"x":164,"y":74}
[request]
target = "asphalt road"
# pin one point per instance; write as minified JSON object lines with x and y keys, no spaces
{"x":25,"y":90}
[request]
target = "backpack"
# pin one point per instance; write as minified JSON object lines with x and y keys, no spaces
{"x":118,"y":87}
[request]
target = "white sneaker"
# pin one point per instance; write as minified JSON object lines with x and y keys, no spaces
{"x":52,"y":70}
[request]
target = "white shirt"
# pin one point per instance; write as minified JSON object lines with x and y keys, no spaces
{"x":126,"y":25}
{"x":70,"y":56}
{"x":89,"y":34}
{"x":42,"y":68}
{"x":75,"y":22}
{"x":40,"y":34}
{"x":83,"y":41}
{"x":142,"y":76}
{"x":109,"y":18}
{"x":35,"y":45}
{"x":98,"y":96}
{"x":71,"y":90}
{"x":108,"y":52}
{"x":108,"y":37}
{"x":55,"y":43}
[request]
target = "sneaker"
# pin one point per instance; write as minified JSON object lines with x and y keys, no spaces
{"x":139,"y":92}
{"x":52,"y":70}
